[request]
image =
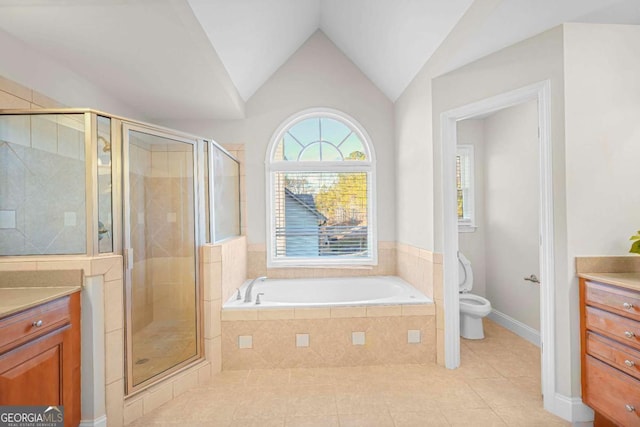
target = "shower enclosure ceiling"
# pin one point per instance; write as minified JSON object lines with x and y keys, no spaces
{"x":78,"y":181}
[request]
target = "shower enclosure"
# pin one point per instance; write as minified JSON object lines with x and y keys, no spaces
{"x":82,"y":182}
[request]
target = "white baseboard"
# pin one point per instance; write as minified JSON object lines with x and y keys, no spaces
{"x":98,"y":422}
{"x":515,"y":326}
{"x":571,"y":409}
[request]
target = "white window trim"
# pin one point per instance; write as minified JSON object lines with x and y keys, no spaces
{"x":469,"y":225}
{"x":369,"y":167}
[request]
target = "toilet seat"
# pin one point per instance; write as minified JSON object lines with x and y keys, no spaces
{"x":474,"y":305}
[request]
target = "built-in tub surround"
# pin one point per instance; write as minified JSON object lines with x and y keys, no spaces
{"x":329,"y":292}
{"x":339,"y":328}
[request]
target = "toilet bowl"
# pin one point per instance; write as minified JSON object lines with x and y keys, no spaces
{"x":472,"y":307}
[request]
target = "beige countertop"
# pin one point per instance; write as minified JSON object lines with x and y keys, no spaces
{"x":21,"y":290}
{"x":14,"y":300}
{"x":625,"y":280}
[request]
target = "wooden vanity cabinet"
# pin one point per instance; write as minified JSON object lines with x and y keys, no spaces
{"x":40,"y":357}
{"x":610,"y":352}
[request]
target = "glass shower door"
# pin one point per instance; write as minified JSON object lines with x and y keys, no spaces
{"x":160,"y":254}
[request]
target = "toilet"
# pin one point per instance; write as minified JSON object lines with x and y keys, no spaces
{"x":472,"y":307}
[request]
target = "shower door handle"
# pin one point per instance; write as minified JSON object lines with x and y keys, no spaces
{"x":128,"y":259}
{"x":532,"y":278}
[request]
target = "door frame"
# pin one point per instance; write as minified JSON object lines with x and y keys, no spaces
{"x":541,"y":92}
{"x":127,"y":254}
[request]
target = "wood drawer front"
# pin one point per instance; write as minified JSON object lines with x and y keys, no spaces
{"x":615,"y":354}
{"x":608,"y":391}
{"x":613,"y":326}
{"x":19,"y":328}
{"x":613,"y":299}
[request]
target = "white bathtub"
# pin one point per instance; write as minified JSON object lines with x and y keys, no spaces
{"x":333,"y":292}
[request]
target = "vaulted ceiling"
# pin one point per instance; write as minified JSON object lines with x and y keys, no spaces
{"x":202,"y":59}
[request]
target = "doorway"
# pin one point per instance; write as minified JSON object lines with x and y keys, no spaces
{"x":539,"y":92}
{"x":498,"y":213}
{"x":160,"y":236}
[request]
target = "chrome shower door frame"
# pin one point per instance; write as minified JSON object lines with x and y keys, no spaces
{"x":127,"y":127}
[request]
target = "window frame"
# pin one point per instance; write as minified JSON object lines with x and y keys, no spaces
{"x":468,"y":225}
{"x":274,"y":166}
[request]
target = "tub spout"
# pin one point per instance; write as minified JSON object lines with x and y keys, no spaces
{"x":247,"y":294}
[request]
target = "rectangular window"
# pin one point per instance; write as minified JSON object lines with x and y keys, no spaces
{"x":321,"y":216}
{"x":464,"y":184}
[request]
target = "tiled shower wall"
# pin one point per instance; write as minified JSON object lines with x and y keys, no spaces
{"x":163,"y":258}
{"x":42,"y":169}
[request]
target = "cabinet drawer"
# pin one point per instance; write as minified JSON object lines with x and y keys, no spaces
{"x":613,"y":326}
{"x":615,"y":354}
{"x":611,"y":298}
{"x":611,"y":392}
{"x":33,"y":323}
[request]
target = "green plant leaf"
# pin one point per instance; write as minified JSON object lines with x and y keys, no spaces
{"x":635,"y":247}
{"x":636,"y":237}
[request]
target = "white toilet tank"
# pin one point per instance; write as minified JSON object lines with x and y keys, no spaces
{"x":465,"y":273}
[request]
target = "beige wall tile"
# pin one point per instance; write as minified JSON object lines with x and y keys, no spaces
{"x":185,"y":382}
{"x":269,"y":314}
{"x":440,"y":314}
{"x":17,"y":265}
{"x":114,"y":396}
{"x":215,"y":253}
{"x":346,"y":312}
{"x":9,"y":101}
{"x":69,"y":264}
{"x":111,"y":267}
{"x":419,"y":310}
{"x":113,"y":305}
{"x":204,"y":373}
{"x":437,"y":282}
{"x":15,"y":89}
{"x":386,"y":244}
{"x":312,"y":313}
{"x":232,"y":315}
{"x":440,"y":346}
{"x":133,"y":409}
{"x":384,"y":310}
{"x":213,"y":348}
{"x":114,"y":358}
{"x":216,"y":318}
{"x":157,"y":396}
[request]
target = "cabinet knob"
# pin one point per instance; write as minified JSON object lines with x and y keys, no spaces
{"x":629,"y":334}
{"x":37,"y":323}
{"x":629,"y":408}
{"x":627,"y":305}
{"x":630,"y":363}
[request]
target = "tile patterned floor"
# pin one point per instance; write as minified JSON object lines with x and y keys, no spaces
{"x":497,"y":385}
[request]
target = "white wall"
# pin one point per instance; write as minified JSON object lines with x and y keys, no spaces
{"x":37,"y":71}
{"x":317,"y":75}
{"x":534,"y":60}
{"x":471,"y":244}
{"x":511,"y":212}
{"x":602,"y":69}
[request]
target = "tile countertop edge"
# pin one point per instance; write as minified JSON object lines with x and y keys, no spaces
{"x":29,"y":297}
{"x":624,"y":280}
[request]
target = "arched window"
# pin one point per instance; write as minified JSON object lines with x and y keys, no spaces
{"x":320,"y":197}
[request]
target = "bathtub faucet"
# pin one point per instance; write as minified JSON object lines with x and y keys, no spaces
{"x":247,"y":294}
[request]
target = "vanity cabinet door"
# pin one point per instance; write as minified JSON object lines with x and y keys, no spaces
{"x":32,"y":373}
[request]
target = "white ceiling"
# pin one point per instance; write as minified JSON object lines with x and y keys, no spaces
{"x":201,"y":59}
